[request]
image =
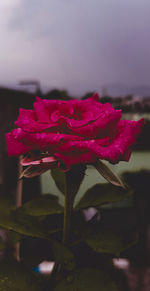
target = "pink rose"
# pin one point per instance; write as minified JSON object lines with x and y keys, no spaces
{"x":72,"y":132}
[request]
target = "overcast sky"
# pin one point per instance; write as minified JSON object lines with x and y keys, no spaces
{"x":79,"y":45}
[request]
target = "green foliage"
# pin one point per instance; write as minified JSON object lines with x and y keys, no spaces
{"x":111,"y":243}
{"x":44,"y":205}
{"x":87,"y":279}
{"x":28,"y":225}
{"x":69,"y":181}
{"x":114,"y":233}
{"x":59,"y":179}
{"x":101,"y":194}
{"x":19,"y":222}
{"x":58,"y":94}
{"x":41,"y":219}
{"x":63,"y":255}
{"x":15,"y":277}
{"x":14,"y":237}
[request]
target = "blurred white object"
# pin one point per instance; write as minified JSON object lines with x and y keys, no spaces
{"x":46,"y":267}
{"x":90,"y":212}
{"x":120,"y":263}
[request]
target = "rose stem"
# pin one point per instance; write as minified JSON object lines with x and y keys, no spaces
{"x":18,"y":203}
{"x":68,"y":206}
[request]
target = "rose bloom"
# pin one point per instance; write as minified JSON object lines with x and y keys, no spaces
{"x":72,"y":132}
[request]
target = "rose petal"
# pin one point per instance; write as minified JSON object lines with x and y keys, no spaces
{"x":50,"y":114}
{"x":42,"y":141}
{"x":118,"y":149}
{"x":104,"y":125}
{"x":121,"y":146}
{"x":94,"y":97}
{"x":71,"y":159}
{"x":44,"y":108}
{"x":76,"y":113}
{"x":15,"y":147}
{"x":76,"y":152}
{"x":27,"y":120}
{"x":74,"y":132}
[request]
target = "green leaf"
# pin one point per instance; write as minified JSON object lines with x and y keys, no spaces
{"x":108,"y":174}
{"x":14,"y":277}
{"x":101,"y":194}
{"x":14,"y":237}
{"x":20,"y":222}
{"x":87,"y":279}
{"x":71,"y":179}
{"x":63,"y":255}
{"x":30,"y":226}
{"x":111,"y":243}
{"x":45,"y":205}
{"x":59,"y":179}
